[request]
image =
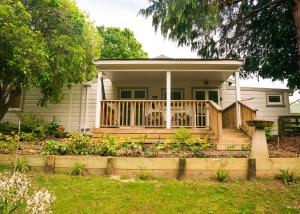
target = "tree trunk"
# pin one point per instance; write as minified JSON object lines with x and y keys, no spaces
{"x":296,"y":13}
{"x":4,"y":105}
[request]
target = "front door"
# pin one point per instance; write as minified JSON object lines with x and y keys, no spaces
{"x":129,"y":113}
{"x":201,"y":109}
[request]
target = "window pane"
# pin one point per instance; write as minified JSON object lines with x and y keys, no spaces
{"x":140,"y":94}
{"x":16,"y":99}
{"x":176,"y":95}
{"x":274,"y":99}
{"x":214,"y":96}
{"x":125,"y":94}
{"x":200,"y":95}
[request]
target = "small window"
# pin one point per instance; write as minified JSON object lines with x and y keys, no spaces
{"x":274,"y":99}
{"x":133,"y":93}
{"x":125,"y":94}
{"x":16,"y":101}
{"x":176,"y":94}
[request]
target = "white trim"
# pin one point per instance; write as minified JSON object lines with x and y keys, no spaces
{"x":168,"y":96}
{"x":206,"y":93}
{"x":98,"y":100}
{"x":237,"y":99}
{"x":275,"y":103}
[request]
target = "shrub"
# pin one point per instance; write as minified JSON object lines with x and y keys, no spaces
{"x":8,"y":127}
{"x":22,"y":165}
{"x":9,"y":143}
{"x":80,"y":144}
{"x":286,"y":176}
{"x":221,"y":175}
{"x":14,"y":195}
{"x":109,"y":145}
{"x":78,"y":169}
{"x":27,"y":137}
{"x":144,"y":176}
{"x":54,"y":129}
{"x":182,"y":135}
{"x":54,"y":147}
{"x":268,"y":131}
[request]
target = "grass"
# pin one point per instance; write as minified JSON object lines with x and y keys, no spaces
{"x":99,"y":194}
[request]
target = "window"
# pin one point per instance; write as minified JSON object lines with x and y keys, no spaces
{"x":176,"y":94}
{"x":274,"y":99}
{"x":16,"y":102}
{"x":207,"y":94}
{"x":132,"y":94}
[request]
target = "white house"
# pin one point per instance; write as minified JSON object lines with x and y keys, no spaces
{"x":160,"y":94}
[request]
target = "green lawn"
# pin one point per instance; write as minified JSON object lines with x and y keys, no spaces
{"x":97,"y":194}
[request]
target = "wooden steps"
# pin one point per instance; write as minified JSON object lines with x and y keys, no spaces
{"x":234,"y":139}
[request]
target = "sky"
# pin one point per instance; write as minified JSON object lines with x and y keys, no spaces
{"x":124,"y":13}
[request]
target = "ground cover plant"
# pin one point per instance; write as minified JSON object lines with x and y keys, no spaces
{"x":99,"y":194}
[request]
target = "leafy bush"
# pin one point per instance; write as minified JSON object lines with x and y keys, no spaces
{"x":9,"y":143}
{"x":54,"y":129}
{"x":182,"y":135}
{"x":22,"y":165}
{"x":221,"y":175}
{"x":286,"y":176}
{"x":31,"y":123}
{"x":144,"y":176}
{"x":54,"y":147}
{"x":109,"y":145}
{"x":80,"y":144}
{"x":268,"y":131}
{"x":78,"y":169}
{"x":27,"y":137}
{"x":8,"y":127}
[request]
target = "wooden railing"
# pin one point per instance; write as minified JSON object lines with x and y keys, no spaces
{"x":229,"y":117}
{"x":152,"y":113}
{"x":247,"y":113}
{"x":215,"y":119}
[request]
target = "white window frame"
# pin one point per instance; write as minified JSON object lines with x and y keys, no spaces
{"x":21,"y":103}
{"x":206,"y":90}
{"x":132,"y":93}
{"x":275,"y":103}
{"x":172,"y":90}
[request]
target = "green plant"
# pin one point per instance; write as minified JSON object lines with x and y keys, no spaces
{"x":286,"y":176}
{"x":54,"y":129}
{"x":80,"y":144}
{"x":22,"y":165}
{"x":27,"y":137}
{"x":221,"y":175}
{"x":144,"y":176}
{"x":54,"y":147}
{"x":182,"y":135}
{"x":231,"y":147}
{"x":109,"y":145}
{"x":246,"y":147}
{"x":142,"y":138}
{"x":8,"y":127}
{"x":124,"y":177}
{"x":78,"y":169}
{"x":268,"y":131}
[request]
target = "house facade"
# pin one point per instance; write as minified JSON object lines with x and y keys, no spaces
{"x":160,"y":93}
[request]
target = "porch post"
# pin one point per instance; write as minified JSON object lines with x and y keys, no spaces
{"x":168,"y":97}
{"x":99,"y":99}
{"x":237,"y":98}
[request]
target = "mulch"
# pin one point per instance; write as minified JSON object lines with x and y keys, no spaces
{"x":284,"y":147}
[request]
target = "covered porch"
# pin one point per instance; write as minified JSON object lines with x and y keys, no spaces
{"x":168,"y":93}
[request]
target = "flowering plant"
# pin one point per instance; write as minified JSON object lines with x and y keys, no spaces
{"x":14,"y":195}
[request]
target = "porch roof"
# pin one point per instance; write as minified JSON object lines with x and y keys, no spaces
{"x":154,"y":69}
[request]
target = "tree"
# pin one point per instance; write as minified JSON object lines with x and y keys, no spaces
{"x":120,"y":44}
{"x":48,"y":44}
{"x":263,"y":32}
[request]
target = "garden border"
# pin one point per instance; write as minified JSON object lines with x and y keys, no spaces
{"x":180,"y":168}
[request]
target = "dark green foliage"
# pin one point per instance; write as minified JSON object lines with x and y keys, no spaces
{"x":44,"y":44}
{"x":286,"y":176}
{"x":8,"y":127}
{"x":54,"y":147}
{"x":221,"y":175}
{"x":22,"y":165}
{"x":78,"y":170}
{"x":144,"y":176}
{"x":263,"y":32}
{"x":120,"y":44}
